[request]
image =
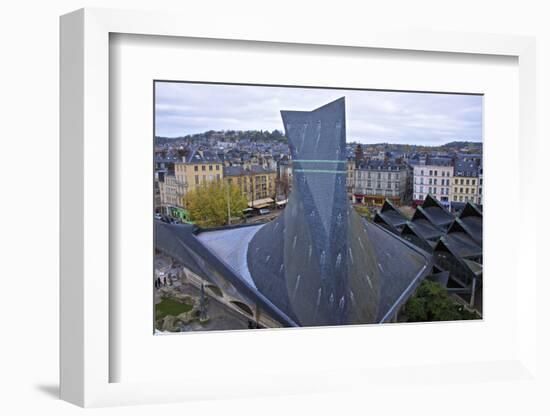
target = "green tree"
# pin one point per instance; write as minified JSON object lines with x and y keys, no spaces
{"x":208,"y":204}
{"x":363,"y":211}
{"x":432,"y":303}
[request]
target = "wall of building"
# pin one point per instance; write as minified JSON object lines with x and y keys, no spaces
{"x":375,"y":185}
{"x":435,"y":180}
{"x":191,"y":175}
{"x":466,"y":189}
{"x":255,"y":186}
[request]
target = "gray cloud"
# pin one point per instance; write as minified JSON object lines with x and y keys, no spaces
{"x":372,"y":116}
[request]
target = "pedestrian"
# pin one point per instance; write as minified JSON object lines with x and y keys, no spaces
{"x":164,"y":280}
{"x":158,"y":282}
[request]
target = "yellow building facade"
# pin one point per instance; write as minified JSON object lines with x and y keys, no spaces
{"x":199,"y":168}
{"x":255,"y":182}
{"x":465,"y":189}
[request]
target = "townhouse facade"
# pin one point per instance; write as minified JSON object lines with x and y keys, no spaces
{"x":467,"y":184}
{"x":255,"y":182}
{"x":199,"y":167}
{"x":376,"y":181}
{"x":433,"y":179}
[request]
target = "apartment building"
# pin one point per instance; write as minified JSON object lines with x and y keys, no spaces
{"x":199,"y":167}
{"x":255,"y":182}
{"x":466,"y":181}
{"x":433,"y":179}
{"x":376,"y":181}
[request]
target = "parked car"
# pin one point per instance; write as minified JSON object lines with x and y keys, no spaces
{"x":264,"y":211}
{"x":158,"y":216}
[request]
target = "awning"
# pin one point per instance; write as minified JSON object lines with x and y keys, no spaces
{"x":261,"y":203}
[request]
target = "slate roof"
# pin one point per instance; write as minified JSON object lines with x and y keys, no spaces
{"x":198,"y":155}
{"x":466,"y":167}
{"x":180,"y":242}
{"x":240,"y":170}
{"x":370,"y":165}
{"x":424,"y":228}
{"x":435,"y":212}
{"x":390,"y":217}
{"x":318,"y":261}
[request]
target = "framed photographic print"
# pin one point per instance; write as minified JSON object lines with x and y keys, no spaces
{"x":272,"y":227}
{"x":296,"y":214}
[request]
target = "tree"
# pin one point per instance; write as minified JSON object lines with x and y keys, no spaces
{"x":432,"y":303}
{"x":208,"y":204}
{"x":363,"y":211}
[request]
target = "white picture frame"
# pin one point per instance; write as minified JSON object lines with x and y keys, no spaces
{"x":85,"y":212}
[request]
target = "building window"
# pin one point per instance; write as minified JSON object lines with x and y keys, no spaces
{"x":462,"y":181}
{"x":196,"y":168}
{"x":435,"y":181}
{"x":467,"y":181}
{"x":435,"y":173}
{"x":217,"y":167}
{"x":210,"y":167}
{"x":196,"y":179}
{"x":431,"y":172}
{"x":203,"y":167}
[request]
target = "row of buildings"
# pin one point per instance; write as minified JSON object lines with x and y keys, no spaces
{"x":175,"y":176}
{"x":264,"y":175}
{"x":450,"y":180}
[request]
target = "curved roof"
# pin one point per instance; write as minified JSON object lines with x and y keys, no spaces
{"x":318,"y":261}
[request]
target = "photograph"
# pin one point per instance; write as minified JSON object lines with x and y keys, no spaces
{"x":289,"y":206}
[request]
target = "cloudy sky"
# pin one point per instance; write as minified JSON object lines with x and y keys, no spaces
{"x":371,"y":116}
